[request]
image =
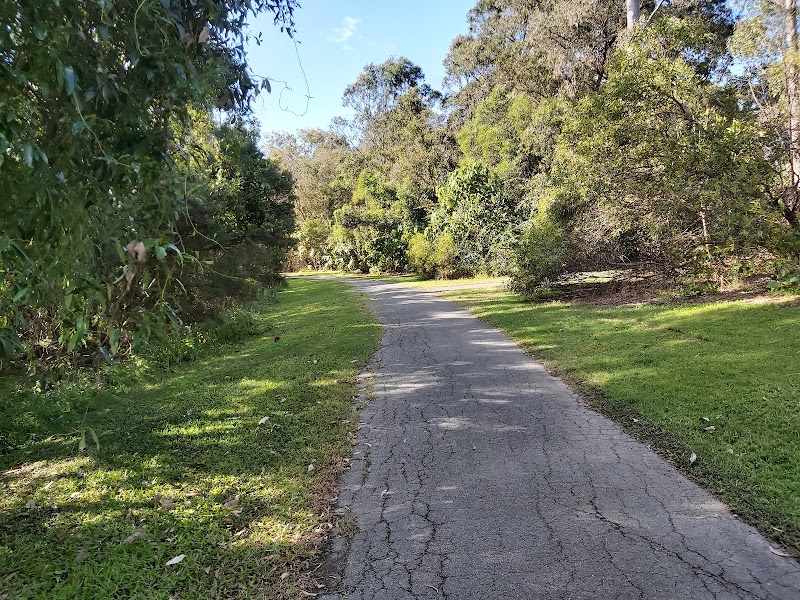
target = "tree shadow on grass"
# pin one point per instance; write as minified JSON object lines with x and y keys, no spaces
{"x":211,"y":462}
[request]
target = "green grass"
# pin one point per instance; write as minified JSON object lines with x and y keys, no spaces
{"x":413,"y":280}
{"x":185,"y":468}
{"x":718,"y":379}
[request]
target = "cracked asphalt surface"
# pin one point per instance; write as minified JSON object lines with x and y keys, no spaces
{"x":477,"y":475}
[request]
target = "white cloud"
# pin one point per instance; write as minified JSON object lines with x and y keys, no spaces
{"x":342,"y":34}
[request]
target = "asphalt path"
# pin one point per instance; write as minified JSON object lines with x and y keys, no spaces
{"x":477,"y":475}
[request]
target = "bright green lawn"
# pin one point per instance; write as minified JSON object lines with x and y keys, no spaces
{"x":185,"y":468}
{"x":721,"y":379}
{"x":412,"y":280}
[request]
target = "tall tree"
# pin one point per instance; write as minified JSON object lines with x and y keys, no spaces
{"x":766,"y":45}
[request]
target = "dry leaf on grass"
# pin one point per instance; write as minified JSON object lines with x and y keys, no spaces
{"x":31,"y":504}
{"x":231,"y":504}
{"x":165,"y":504}
{"x":176,"y":560}
{"x":133,"y":537}
{"x":81,"y":556}
{"x":263,"y":420}
{"x":779,"y":552}
{"x":692,"y":458}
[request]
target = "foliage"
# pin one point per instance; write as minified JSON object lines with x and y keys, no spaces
{"x":96,"y":102}
{"x":240,"y":219}
{"x":434,"y":258}
{"x":540,"y":257}
{"x":324,"y":166}
{"x":474,"y":210}
{"x":567,"y":142}
{"x":312,"y":240}
{"x":369,"y":233}
{"x":667,"y":165}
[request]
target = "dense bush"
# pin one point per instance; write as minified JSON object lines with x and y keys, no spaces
{"x":369,"y":232}
{"x":479,"y":218}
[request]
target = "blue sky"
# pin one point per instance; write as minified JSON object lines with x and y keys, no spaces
{"x":336,"y":39}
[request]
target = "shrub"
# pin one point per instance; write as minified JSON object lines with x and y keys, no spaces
{"x":540,"y":257}
{"x":420,"y":255}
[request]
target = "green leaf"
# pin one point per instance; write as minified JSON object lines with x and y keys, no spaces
{"x":94,"y":437}
{"x":73,"y":340}
{"x":27,"y":154}
{"x":78,"y":126}
{"x":774,"y":285}
{"x":113,"y":340}
{"x":82,"y":443}
{"x":40,"y":31}
{"x":20,"y":294}
{"x":7,"y":350}
{"x":161,"y":253}
{"x":69,"y":80}
{"x":106,"y":356}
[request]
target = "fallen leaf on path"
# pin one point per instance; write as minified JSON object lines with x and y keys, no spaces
{"x":83,"y":554}
{"x":692,"y":458}
{"x":176,"y":560}
{"x":779,"y":552}
{"x":385,"y":493}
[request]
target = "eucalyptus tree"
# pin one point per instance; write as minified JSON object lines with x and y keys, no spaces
{"x":766,"y":45}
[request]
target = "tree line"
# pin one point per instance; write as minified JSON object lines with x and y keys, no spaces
{"x":571,"y":135}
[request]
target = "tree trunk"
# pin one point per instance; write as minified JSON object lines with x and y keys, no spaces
{"x":634,"y":12}
{"x":792,"y":89}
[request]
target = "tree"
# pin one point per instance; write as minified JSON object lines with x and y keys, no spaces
{"x":766,"y":44}
{"x":324,"y":166}
{"x":377,"y":90}
{"x":96,"y":98}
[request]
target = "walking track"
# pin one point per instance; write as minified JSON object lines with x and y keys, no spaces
{"x":477,"y":475}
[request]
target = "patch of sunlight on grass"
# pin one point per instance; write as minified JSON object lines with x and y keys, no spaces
{"x":184,"y":467}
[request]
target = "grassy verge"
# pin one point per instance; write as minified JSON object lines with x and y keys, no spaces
{"x":229,"y":462}
{"x":717,"y":379}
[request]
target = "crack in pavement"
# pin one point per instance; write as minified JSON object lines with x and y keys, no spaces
{"x":477,"y":475}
